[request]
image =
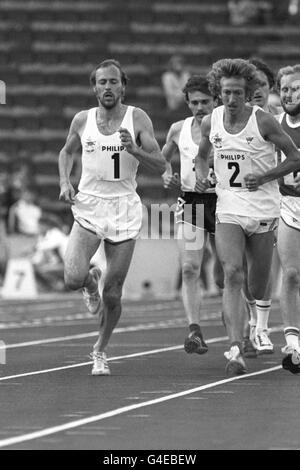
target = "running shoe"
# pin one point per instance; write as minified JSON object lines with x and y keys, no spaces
{"x":195,"y":343}
{"x":248,"y":349}
{"x":291,"y":361}
{"x":100,"y":366}
{"x":236,"y":364}
{"x":93,"y":300}
{"x":263,"y":343}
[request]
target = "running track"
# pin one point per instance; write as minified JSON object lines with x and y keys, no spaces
{"x":157,"y":397}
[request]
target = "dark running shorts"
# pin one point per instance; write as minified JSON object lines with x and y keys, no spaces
{"x":194,"y":200}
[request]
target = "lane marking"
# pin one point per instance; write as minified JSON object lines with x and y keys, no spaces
{"x":66,"y":319}
{"x":124,"y":329}
{"x":49,"y":340}
{"x":140,"y":327}
{"x":125,"y":409}
{"x":61,"y":305}
{"x":129,"y":311}
{"x":127,"y":356}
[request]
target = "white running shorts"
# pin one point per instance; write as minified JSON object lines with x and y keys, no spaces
{"x":113,"y":219}
{"x":250,"y":225}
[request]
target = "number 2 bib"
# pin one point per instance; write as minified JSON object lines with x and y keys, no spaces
{"x":231,"y":167}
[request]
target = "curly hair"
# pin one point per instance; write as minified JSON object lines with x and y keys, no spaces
{"x":196,"y":83}
{"x":232,"y":68}
{"x":288,"y":70}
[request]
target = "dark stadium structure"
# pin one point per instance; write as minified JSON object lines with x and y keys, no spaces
{"x":49,"y":48}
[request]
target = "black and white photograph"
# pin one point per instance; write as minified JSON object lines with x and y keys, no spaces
{"x":149,"y":228}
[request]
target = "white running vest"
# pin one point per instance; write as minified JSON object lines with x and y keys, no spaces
{"x":236,"y":155}
{"x":287,"y":183}
{"x":108,"y":170}
{"x":188,"y":151}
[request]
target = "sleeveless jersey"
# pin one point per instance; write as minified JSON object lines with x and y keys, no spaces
{"x":108,"y":170}
{"x":236,"y":155}
{"x":287,"y":183}
{"x":188,"y":151}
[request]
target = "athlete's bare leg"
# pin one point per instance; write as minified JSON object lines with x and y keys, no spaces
{"x":218,"y":272}
{"x":249,"y":310}
{"x":118,"y":258}
{"x":191,"y":260}
{"x":230,"y":244}
{"x":259,"y":252}
{"x":82,"y":245}
{"x":289,"y":253}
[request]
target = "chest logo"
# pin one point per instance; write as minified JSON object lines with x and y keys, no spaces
{"x":89,"y":145}
{"x":249,"y":140}
{"x":217,"y":141}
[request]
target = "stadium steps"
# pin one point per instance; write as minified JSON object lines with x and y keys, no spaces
{"x":48,"y":49}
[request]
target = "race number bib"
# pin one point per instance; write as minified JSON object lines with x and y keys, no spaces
{"x":110,"y":165}
{"x":231,"y":167}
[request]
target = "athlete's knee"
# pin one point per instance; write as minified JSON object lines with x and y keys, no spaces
{"x":291,"y":276}
{"x":112,"y":294}
{"x":234,"y":275}
{"x":190,"y":271}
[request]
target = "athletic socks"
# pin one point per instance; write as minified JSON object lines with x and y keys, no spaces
{"x":291,"y":334}
{"x":263,"y":310}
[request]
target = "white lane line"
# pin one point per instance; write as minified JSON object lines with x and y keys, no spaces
{"x":63,"y":305}
{"x":66,"y":319}
{"x":127,"y":356}
{"x":124,"y":329}
{"x":125,"y":409}
{"x":81,"y":364}
{"x":49,"y":340}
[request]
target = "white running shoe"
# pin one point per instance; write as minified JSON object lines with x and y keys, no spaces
{"x":100,"y":366}
{"x":290,"y":349}
{"x":236,"y":364}
{"x":263,"y":343}
{"x":93,"y":300}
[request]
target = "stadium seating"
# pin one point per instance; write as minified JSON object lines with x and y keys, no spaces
{"x":47,"y":50}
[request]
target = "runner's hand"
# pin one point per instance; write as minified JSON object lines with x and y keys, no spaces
{"x":202,"y":185}
{"x":126,"y":140}
{"x":171,"y":181}
{"x":252,"y":182}
{"x":67,"y":193}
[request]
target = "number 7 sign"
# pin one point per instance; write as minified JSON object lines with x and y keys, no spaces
{"x":19,"y":282}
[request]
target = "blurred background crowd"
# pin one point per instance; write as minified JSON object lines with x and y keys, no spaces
{"x":47,"y":52}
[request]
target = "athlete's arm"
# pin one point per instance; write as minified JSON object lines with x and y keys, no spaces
{"x":202,"y":158}
{"x":148,"y":153}
{"x":65,"y":159}
{"x":271,"y":130}
{"x":170,"y":179}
